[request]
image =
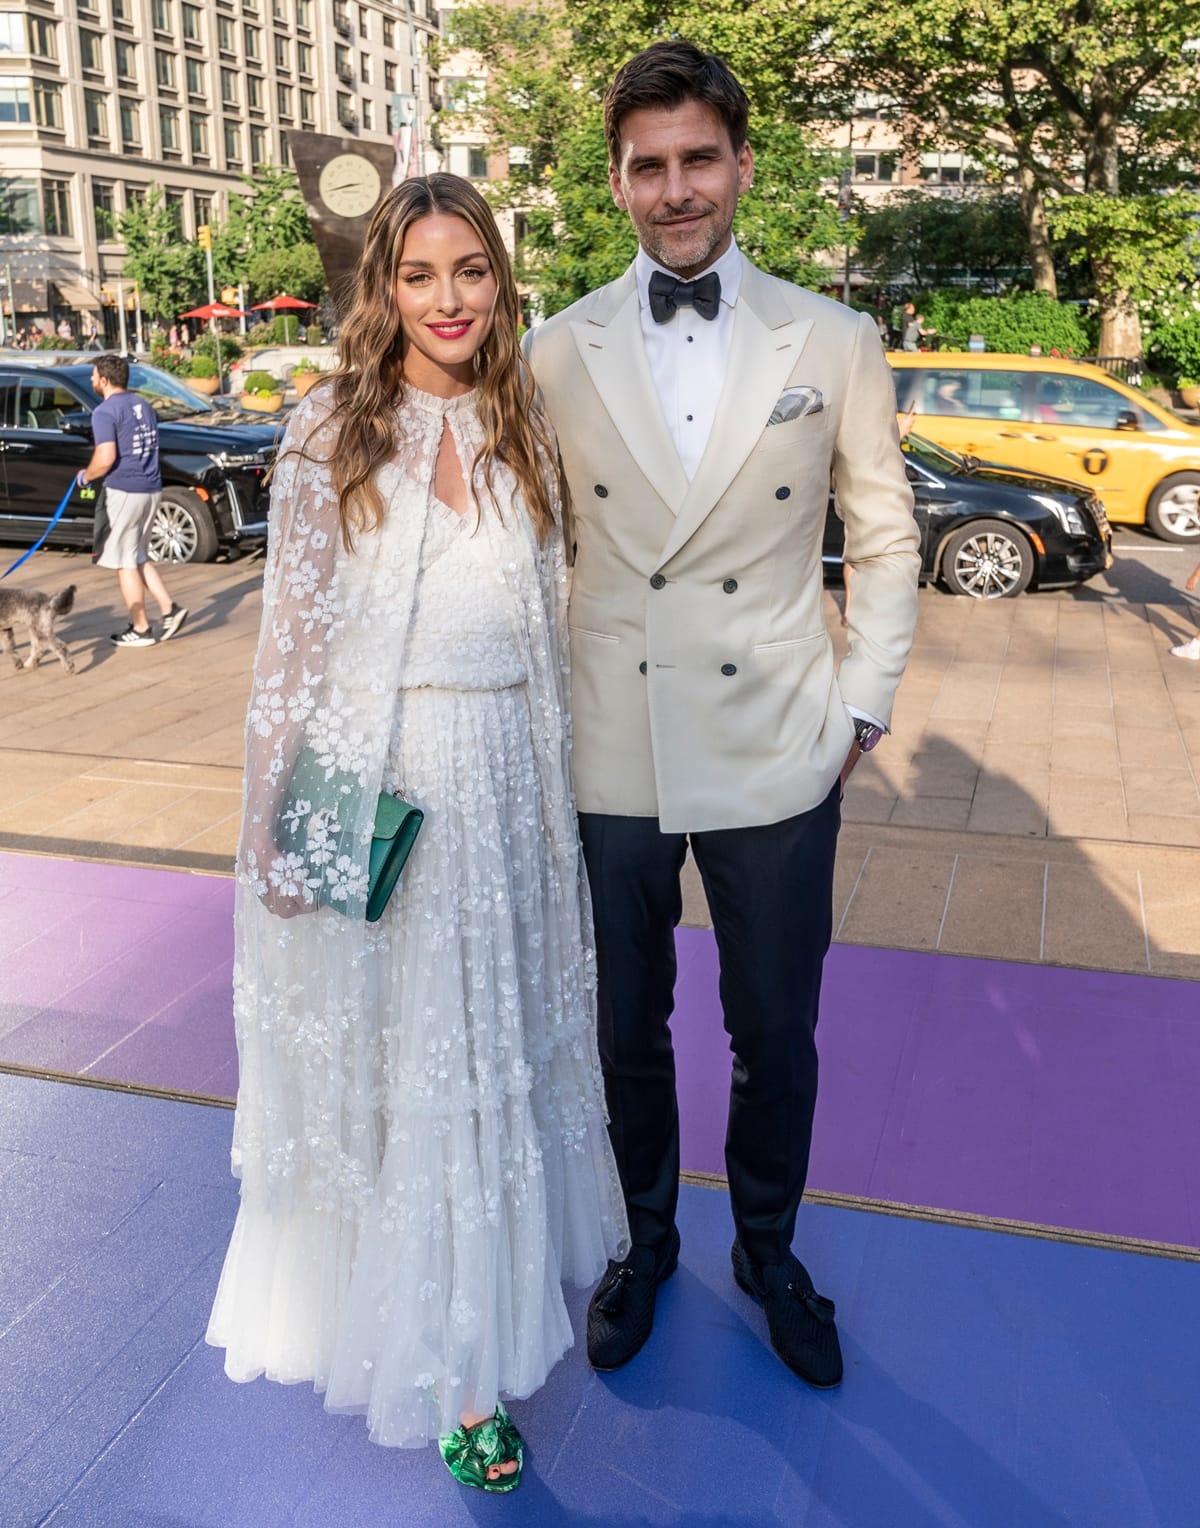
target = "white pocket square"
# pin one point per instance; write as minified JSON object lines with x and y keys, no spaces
{"x":796,"y":403}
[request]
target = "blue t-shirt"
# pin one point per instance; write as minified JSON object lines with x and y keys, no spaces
{"x":128,"y":421}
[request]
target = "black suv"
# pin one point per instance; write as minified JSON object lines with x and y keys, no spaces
{"x":214,"y":462}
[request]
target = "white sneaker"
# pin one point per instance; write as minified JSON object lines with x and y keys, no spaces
{"x":1187,"y":649}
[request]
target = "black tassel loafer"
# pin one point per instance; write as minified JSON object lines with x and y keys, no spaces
{"x":621,"y":1312}
{"x":799,"y":1320}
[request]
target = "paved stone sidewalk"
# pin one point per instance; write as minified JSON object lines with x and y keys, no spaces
{"x":1038,"y":800}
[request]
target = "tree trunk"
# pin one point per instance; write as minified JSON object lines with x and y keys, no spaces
{"x":1033,"y":210}
{"x":1120,"y":326}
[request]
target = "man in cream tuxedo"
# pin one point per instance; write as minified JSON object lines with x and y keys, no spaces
{"x":701,"y":407}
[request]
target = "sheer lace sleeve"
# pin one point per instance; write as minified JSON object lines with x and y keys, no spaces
{"x":301,"y":611}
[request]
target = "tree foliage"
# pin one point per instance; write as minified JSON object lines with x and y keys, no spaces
{"x":169,"y":273}
{"x":268,"y":219}
{"x":930,"y":240}
{"x":1008,"y":325}
{"x":1093,"y":98}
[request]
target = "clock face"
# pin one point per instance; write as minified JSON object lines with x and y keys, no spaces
{"x":349,"y":186}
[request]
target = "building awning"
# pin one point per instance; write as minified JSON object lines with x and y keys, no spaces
{"x":72,"y":295}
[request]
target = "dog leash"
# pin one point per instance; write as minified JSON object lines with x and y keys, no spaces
{"x":54,"y":519}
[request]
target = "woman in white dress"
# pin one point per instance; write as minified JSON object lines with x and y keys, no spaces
{"x":420,"y":1129}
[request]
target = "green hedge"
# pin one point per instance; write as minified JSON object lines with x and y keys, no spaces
{"x":231,"y":348}
{"x":1173,"y":346}
{"x":1009,"y":325}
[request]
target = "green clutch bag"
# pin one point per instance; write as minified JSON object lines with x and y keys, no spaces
{"x":307,"y":826}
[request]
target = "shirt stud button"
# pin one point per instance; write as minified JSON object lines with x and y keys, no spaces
{"x":642,"y":667}
{"x":730,"y":586}
{"x":729,"y":669}
{"x":657,"y":581}
{"x":783,"y":493}
{"x":600,"y":491}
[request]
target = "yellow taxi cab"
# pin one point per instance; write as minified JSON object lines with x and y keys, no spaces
{"x":1065,"y":419}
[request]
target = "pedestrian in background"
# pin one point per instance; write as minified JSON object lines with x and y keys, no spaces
{"x":125,"y":432}
{"x":1190,"y":649}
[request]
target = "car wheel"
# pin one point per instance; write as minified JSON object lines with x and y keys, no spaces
{"x":1173,"y":512}
{"x":988,"y":561}
{"x":182,"y":530}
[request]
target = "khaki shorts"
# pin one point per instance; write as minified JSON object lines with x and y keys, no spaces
{"x":129,"y":519}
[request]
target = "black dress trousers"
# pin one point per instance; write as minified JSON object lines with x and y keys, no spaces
{"x":770,"y":893}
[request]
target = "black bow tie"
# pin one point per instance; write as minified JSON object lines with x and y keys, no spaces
{"x":668,"y":293}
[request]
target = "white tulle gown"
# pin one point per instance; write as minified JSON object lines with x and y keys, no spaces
{"x":487,"y":1173}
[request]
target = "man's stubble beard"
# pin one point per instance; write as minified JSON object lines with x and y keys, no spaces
{"x":694,"y":255}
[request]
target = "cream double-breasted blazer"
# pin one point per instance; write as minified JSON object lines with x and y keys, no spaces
{"x":704,"y":686}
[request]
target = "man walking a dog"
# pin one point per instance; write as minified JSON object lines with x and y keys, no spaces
{"x":125,"y":455}
{"x":701,"y":406}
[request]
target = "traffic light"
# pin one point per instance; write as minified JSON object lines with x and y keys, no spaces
{"x":204,"y":236}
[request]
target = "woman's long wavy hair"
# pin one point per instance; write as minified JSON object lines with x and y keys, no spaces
{"x":369,"y":383}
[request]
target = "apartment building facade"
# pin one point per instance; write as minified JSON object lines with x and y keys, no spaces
{"x":100,"y":99}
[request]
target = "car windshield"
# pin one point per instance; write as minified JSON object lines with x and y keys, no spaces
{"x":168,"y":397}
{"x":933,"y":456}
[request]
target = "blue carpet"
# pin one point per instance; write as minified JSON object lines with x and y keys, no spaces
{"x":992,"y":1381}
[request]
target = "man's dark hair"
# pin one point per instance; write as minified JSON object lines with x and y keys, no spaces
{"x":666,"y":75}
{"x":113,"y":368}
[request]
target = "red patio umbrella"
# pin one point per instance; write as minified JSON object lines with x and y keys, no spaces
{"x":284,"y":301}
{"x":213,"y":310}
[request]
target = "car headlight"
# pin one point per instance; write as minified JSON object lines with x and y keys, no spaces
{"x":1067,"y":514}
{"x":226,"y":459}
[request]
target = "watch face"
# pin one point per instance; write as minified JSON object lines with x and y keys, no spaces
{"x":349,"y":186}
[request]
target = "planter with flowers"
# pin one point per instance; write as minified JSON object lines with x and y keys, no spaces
{"x":261,"y":394}
{"x":202,"y":376}
{"x":305,"y":376}
{"x":1189,"y":392}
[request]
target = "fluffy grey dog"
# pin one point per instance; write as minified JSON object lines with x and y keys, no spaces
{"x":39,"y":612}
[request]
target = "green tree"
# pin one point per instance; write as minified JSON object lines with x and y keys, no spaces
{"x":297,"y":270}
{"x":931,"y":240}
{"x":268,"y":219}
{"x":169,"y":272}
{"x":1094,"y":100}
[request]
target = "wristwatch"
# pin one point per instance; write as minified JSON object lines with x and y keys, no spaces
{"x":867,"y":733}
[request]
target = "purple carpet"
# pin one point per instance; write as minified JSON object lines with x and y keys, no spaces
{"x":1030,"y":1093}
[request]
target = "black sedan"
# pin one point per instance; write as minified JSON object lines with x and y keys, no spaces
{"x":992,"y":532}
{"x":214,"y":463}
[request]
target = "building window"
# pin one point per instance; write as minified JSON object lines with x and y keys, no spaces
{"x":174,"y":205}
{"x":304,"y":15}
{"x":47,"y":105}
{"x":104,"y":207}
{"x":259,"y":153}
{"x":363,"y":14}
{"x":285,"y":157}
{"x":120,"y":10}
{"x":56,"y":207}
{"x":126,"y":60}
{"x":464,"y":93}
{"x":43,"y":38}
{"x":252,"y":38}
{"x":389,"y":32}
{"x":19,"y":208}
{"x":229,"y":95}
{"x":131,"y":125}
{"x":341,"y":17}
{"x":308,"y":108}
{"x":880,"y":167}
{"x":468,"y":159}
{"x":12,"y":33}
{"x":283,"y":101}
{"x":364,"y":68}
{"x":194,"y":70}
{"x":254,"y":92}
{"x":91,"y":51}
{"x":168,"y":127}
{"x":389,"y":76}
{"x":368,"y":116}
{"x":14,"y":101}
{"x":233,"y":144}
{"x":95,"y":113}
{"x":341,"y":62}
{"x":198,"y":135}
{"x":164,"y":69}
{"x":160,"y":16}
{"x":304,"y":60}
{"x":134,"y":196}
{"x":279,"y":11}
{"x":191,"y":23}
{"x":225,"y":35}
{"x":202,"y":209}
{"x":282,"y":60}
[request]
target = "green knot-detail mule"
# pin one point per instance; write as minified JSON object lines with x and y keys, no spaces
{"x":470,"y":1452}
